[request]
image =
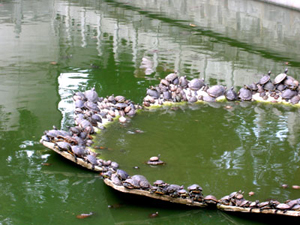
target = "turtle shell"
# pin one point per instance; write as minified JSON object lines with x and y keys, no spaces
{"x":269,"y":86}
{"x":91,"y":95}
{"x":210,"y":199}
{"x":283,"y":206}
{"x":264,"y":79}
{"x":295,"y":100}
{"x":171,"y":77}
{"x":122,"y":174}
{"x":195,"y":84}
{"x":120,"y":98}
{"x":92,"y":159}
{"x":288,"y":94}
{"x":216,"y":91}
{"x":279,"y":78}
{"x":153,"y":93}
{"x":245,"y":94}
{"x":231,"y":95}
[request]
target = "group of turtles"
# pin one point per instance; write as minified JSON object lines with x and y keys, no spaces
{"x":174,"y":88}
{"x":237,"y":199}
{"x":92,"y":113}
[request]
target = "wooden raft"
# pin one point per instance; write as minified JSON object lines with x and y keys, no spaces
{"x":69,"y":156}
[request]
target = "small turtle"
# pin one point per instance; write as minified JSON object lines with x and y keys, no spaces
{"x":78,"y":151}
{"x":210,"y":199}
{"x":164,"y":82}
{"x":170,"y":189}
{"x":195,"y":188}
{"x":167,"y":95}
{"x":195,"y":84}
{"x":245,"y":94}
{"x":216,"y":91}
{"x":159,"y":183}
{"x":252,"y":87}
{"x":120,"y":105}
{"x":231,"y":95}
{"x":144,"y":184}
{"x":280,"y":87}
{"x":244,"y":203}
{"x":79,"y":103}
{"x":154,"y":160}
{"x":182,"y":193}
{"x":120,"y":99}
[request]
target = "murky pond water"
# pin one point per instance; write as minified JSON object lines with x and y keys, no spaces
{"x":51,"y":48}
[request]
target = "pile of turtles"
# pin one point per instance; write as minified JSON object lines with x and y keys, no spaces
{"x":237,"y":199}
{"x":93,"y":113}
{"x":174,"y":88}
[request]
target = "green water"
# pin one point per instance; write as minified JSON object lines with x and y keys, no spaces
{"x":49,"y":49}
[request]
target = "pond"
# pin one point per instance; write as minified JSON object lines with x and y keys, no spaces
{"x":52,"y":48}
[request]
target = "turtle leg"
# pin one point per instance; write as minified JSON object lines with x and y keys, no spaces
{"x":93,"y":167}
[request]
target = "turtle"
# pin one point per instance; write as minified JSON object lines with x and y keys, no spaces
{"x":167,"y":95}
{"x":122,"y":174}
{"x":296,"y":207}
{"x":63,"y":146}
{"x":120,"y":105}
{"x":114,"y":165}
{"x":45,"y":138}
{"x":192,"y":99}
{"x":144,"y":184}
{"x":282,"y":206}
{"x":120,"y":98}
{"x":183,"y":82}
{"x":216,"y":91}
{"x":91,"y":95}
{"x":225,"y":200}
{"x":252,"y":87}
{"x":208,"y":98}
{"x":231,"y":95}
{"x":139,"y":178}
{"x":295,"y":99}
{"x":79,"y":95}
{"x":153,"y":93}
{"x":244,"y":203}
{"x":195,"y":84}
{"x":280,"y":87}
{"x":280,"y":78}
{"x":154,"y":160}
{"x":164,"y":82}
{"x":288,"y":94}
{"x":79,"y":103}
{"x":159,"y":183}
{"x":131,"y":183}
{"x":245,"y":94}
{"x":194,"y":188}
{"x":78,"y":151}
{"x":210,"y":199}
{"x":172,"y":78}
{"x":115,"y":179}
{"x":170,"y":189}
{"x":182,"y":193}
{"x":106,"y":174}
{"x":269,"y":86}
{"x":291,"y":83}
{"x":265,"y":79}
{"x":111,"y":99}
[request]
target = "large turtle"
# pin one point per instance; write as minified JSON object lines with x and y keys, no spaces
{"x":195,"y":84}
{"x":216,"y":91}
{"x":231,"y":95}
{"x":91,"y":95}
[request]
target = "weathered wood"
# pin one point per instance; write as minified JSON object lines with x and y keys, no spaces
{"x":229,"y":208}
{"x":67,"y":155}
{"x":184,"y":201}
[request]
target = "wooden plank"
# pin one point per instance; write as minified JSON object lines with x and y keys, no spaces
{"x":184,"y":201}
{"x":229,"y":208}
